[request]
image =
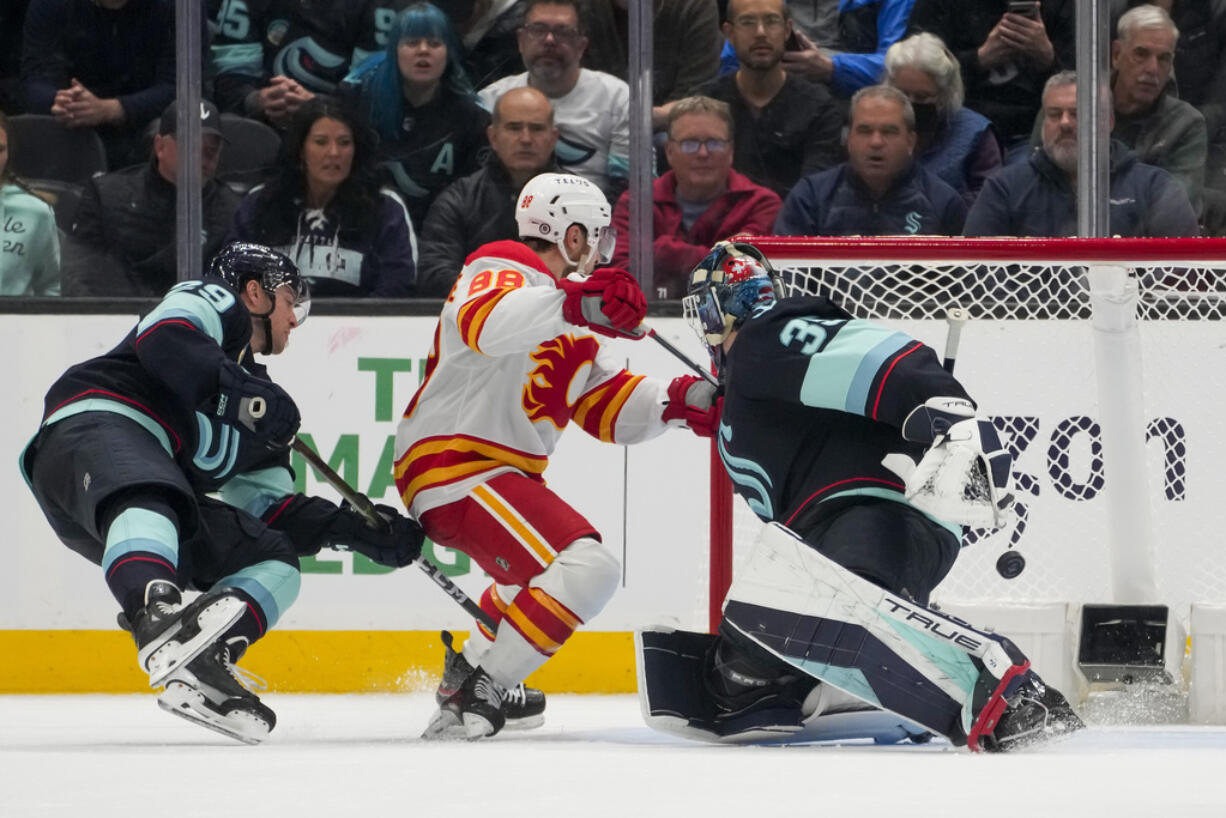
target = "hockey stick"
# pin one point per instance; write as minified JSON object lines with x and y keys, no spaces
{"x":956,"y":317}
{"x":366,"y":508}
{"x":680,"y":356}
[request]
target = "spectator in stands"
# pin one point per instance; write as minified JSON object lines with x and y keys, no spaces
{"x":1164,"y":131}
{"x":785,"y":127}
{"x":491,"y":41}
{"x":123,"y":237}
{"x":1005,"y":55}
{"x":29,"y":241}
{"x":480,"y":207}
{"x":701,"y":201}
{"x":419,"y":101}
{"x":879,"y":190}
{"x":1038,"y":197}
{"x":102,"y":64}
{"x":324,"y":208}
{"x":954,"y":142}
{"x":841,"y":43}
{"x":591,"y":108}
{"x":12,"y":18}
{"x":685,"y":44}
{"x":269,"y":58}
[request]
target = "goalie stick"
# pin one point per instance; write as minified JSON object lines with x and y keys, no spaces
{"x":680,"y":356}
{"x":362,"y":504}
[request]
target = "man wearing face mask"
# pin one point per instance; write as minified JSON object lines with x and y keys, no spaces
{"x":953,"y":142}
{"x":880,"y":190}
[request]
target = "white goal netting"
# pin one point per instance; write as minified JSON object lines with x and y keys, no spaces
{"x":1049,"y":360}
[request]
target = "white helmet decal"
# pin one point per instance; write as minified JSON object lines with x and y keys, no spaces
{"x":551,"y":202}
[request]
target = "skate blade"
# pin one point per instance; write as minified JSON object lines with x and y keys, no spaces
{"x":526,"y":723}
{"x":447,"y":726}
{"x":186,"y":703}
{"x":212,"y":621}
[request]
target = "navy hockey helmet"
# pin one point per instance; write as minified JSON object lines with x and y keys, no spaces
{"x":240,"y":262}
{"x":733,"y":282}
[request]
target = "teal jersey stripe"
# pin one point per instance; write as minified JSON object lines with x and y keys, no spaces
{"x":190,"y":307}
{"x":255,"y":492}
{"x":240,"y":58}
{"x":272,"y":584}
{"x":103,"y":405}
{"x":841,"y":375}
{"x":139,"y":529}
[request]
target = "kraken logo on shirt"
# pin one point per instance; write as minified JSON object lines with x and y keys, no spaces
{"x":310,"y":64}
{"x":753,"y":481}
{"x":558,"y":381}
{"x":570,"y":153}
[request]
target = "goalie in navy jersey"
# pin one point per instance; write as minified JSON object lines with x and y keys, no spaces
{"x":865,"y":457}
{"x":166,"y":462}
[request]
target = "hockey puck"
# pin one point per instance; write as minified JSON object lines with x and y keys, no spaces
{"x":1010,"y":564}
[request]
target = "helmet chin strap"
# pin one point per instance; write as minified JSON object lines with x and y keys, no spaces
{"x":267,"y":325}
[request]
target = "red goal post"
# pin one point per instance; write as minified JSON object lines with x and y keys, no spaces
{"x":1103,"y":364}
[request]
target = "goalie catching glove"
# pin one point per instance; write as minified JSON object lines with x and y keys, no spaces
{"x":609,"y":302}
{"x":260,"y":406}
{"x":395,"y":544}
{"x":695,"y":402}
{"x":964,"y":476}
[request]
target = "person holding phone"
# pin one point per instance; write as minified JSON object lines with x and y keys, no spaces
{"x":1006,"y":49}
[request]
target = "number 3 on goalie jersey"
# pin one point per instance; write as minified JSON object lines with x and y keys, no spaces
{"x":810,"y":333}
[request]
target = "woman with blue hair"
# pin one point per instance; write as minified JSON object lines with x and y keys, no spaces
{"x":416,"y":96}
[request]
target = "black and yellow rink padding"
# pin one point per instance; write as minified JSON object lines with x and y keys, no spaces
{"x":302,"y":662}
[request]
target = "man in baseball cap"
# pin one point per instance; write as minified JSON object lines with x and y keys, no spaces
{"x":123,"y":241}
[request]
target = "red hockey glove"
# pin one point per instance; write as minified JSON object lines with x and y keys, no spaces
{"x":695,"y":402}
{"x":608,"y":301}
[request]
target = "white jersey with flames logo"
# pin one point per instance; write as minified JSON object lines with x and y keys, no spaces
{"x":505,"y":376}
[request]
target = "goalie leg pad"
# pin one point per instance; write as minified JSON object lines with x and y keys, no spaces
{"x":883,"y":648}
{"x":675,"y":699}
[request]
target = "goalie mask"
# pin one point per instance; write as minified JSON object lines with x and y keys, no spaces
{"x":552,"y":202}
{"x":733,"y":282}
{"x":240,"y":262}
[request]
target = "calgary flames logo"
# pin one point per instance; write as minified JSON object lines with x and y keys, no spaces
{"x":556,"y":383}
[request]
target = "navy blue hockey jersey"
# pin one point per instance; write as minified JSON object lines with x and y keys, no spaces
{"x":814,"y":399}
{"x":164,"y":375}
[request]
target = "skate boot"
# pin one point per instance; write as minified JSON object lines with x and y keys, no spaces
{"x":474,"y":711}
{"x":213,"y":692}
{"x":169,"y":635}
{"x":523,"y":707}
{"x":1034,"y":713}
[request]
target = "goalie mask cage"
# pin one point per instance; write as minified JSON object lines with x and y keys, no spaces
{"x":1103,"y":364}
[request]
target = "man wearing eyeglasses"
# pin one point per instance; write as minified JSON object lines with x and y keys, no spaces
{"x":591,"y":108}
{"x":701,"y":201}
{"x":785,"y":127}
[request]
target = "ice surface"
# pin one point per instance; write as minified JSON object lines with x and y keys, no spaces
{"x":102,"y":756}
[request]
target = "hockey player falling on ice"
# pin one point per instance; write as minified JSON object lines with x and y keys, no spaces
{"x":133,"y":440}
{"x":835,"y":602}
{"x":513,"y":362}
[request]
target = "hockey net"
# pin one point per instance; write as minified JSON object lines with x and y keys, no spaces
{"x":1044,"y":356}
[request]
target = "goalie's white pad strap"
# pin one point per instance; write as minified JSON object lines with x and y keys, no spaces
{"x":785,"y":573}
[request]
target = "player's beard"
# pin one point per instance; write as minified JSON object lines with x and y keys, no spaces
{"x":1063,"y":154}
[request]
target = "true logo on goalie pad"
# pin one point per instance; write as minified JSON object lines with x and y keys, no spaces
{"x":945,"y":629}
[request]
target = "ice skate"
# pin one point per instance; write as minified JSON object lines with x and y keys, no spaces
{"x":472,"y":712}
{"x":1034,"y":713}
{"x":522,"y":706}
{"x":169,"y":635}
{"x":214,"y":693}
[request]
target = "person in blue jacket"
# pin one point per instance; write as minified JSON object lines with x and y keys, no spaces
{"x":880,"y":189}
{"x":840,"y":43}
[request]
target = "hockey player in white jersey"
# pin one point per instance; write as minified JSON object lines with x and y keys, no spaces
{"x":515,"y":359}
{"x":820,"y":425}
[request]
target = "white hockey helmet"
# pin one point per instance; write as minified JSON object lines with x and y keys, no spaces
{"x":552,"y":202}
